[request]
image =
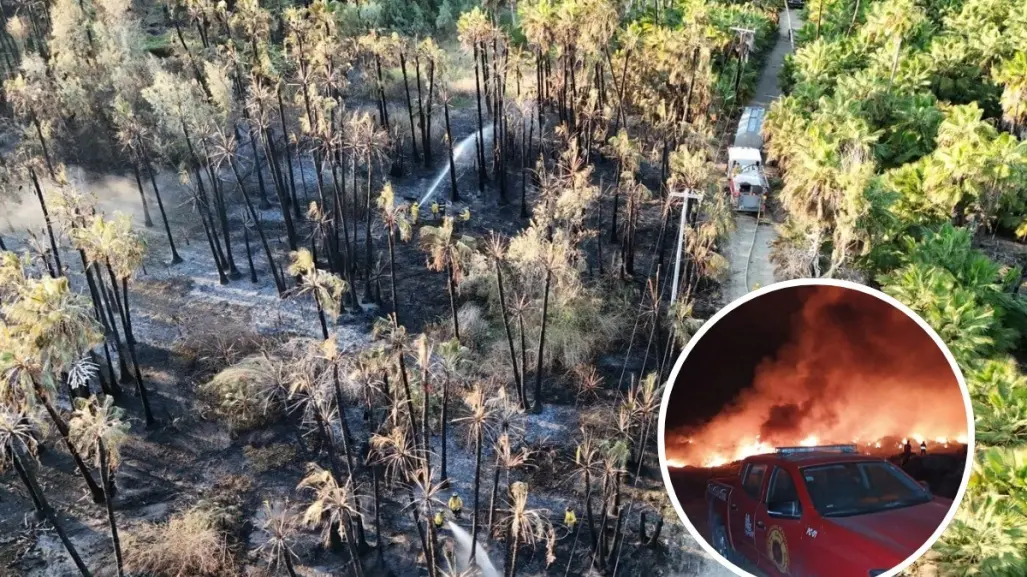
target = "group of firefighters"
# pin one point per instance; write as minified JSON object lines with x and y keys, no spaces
{"x":456,"y":507}
{"x":437,"y":210}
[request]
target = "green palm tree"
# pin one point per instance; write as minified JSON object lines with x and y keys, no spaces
{"x":97,"y":429}
{"x":48,"y":328}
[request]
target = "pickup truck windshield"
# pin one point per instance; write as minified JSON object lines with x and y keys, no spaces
{"x":859,"y":488}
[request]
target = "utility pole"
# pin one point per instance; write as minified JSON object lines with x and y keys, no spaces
{"x":686,"y":196}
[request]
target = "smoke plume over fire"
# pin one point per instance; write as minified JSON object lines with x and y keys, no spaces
{"x":845,"y":376}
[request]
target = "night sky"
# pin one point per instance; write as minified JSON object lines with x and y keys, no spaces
{"x":727,"y":355}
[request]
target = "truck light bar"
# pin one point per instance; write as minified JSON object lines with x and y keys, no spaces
{"x":818,"y":449}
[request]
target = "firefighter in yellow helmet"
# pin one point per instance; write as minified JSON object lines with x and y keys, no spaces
{"x":465,"y":215}
{"x":456,"y":505}
{"x":415,"y":209}
{"x":570,"y":519}
{"x":438,"y":519}
{"x":435,"y":209}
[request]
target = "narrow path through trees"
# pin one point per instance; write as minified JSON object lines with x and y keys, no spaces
{"x":744,"y":251}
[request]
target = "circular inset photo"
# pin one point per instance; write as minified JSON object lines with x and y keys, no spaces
{"x":816,"y":429}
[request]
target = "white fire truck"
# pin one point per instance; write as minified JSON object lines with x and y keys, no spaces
{"x":747,"y":182}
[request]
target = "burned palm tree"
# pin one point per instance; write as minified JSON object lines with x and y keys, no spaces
{"x":396,"y":218}
{"x":279,"y":526}
{"x":452,"y":364}
{"x":447,"y":251}
{"x":98,"y":430}
{"x":426,"y":491}
{"x":478,"y":422}
{"x":495,"y":250}
{"x":396,"y":340}
{"x":17,"y":446}
{"x":326,"y":288}
{"x":527,"y":526}
{"x":334,"y":507}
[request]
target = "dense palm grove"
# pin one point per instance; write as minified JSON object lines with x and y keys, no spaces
{"x":901,"y":145}
{"x":531,"y":291}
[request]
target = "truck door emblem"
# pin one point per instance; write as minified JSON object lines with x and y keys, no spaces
{"x":749,"y":532}
{"x":777,"y":548}
{"x":811,"y":532}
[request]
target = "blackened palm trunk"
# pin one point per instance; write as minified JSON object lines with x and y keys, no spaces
{"x":525,"y":153}
{"x":454,"y":194}
{"x":288,"y":155}
{"x":392,"y":276}
{"x":358,"y":565}
{"x":537,"y":406}
{"x":524,"y":357}
{"x":495,"y":489}
{"x":105,"y":478}
{"x":175,"y":257}
{"x":264,"y":202}
{"x":341,"y":407}
{"x":21,"y":463}
{"x":477,"y":485}
{"x":414,"y":429}
{"x":122,"y":300}
{"x":62,"y":427}
{"x":249,"y":253}
{"x":480,"y":137}
{"x":222,"y":210}
{"x":422,"y":121}
{"x":451,"y":286}
{"x":445,"y":427}
{"x":260,"y":230}
{"x":379,"y":537}
{"x":49,"y":225}
{"x":410,"y":106}
{"x":381,"y":94}
{"x":509,"y":337}
{"x":367,"y":236}
{"x":142,"y":197}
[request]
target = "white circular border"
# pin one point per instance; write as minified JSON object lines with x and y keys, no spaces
{"x":665,"y":471}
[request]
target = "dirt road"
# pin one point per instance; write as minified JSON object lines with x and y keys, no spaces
{"x":748,"y":249}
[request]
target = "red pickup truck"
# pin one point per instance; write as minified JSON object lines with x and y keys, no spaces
{"x":820,"y":512}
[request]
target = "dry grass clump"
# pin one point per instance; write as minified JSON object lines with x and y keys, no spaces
{"x":474,"y":327}
{"x":247,"y":394}
{"x":211,"y":348}
{"x":264,"y":459}
{"x":187,"y":544}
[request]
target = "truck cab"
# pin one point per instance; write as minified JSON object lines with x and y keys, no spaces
{"x":819,"y":512}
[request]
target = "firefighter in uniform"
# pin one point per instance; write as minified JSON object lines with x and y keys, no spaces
{"x":415,"y":209}
{"x":438,"y":519}
{"x":456,"y":505}
{"x":570,"y":519}
{"x":435,"y":209}
{"x":923,"y":448}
